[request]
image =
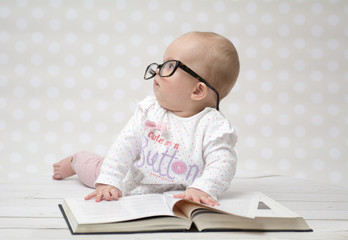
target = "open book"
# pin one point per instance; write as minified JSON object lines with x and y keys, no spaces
{"x":162,"y":212}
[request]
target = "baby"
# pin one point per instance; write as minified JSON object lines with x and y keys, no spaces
{"x":177,"y":140}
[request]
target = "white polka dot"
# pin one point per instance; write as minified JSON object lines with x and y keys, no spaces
{"x":104,"y":15}
{"x":300,"y":43}
{"x":3,"y":81}
{"x":251,"y":29}
{"x":284,"y":142}
{"x":284,"y":164}
{"x":4,"y":36}
{"x":284,"y":7}
{"x":300,"y":65}
{"x":300,"y":131}
{"x":121,"y":4}
{"x":14,"y":175}
{"x":250,"y":74}
{"x":120,"y":27}
{"x":137,"y":16}
{"x":101,"y":127}
{"x":119,"y":72}
{"x":69,"y":104}
{"x":267,"y":42}
{"x":154,"y":5}
{"x":169,"y":16}
{"x":317,"y":31}
{"x":267,"y":18}
{"x":186,"y":6}
{"x":283,"y":97}
{"x":18,"y":114}
{"x":266,"y":86}
{"x":300,"y":109}
{"x":34,"y":126}
{"x":120,"y":49}
{"x":266,"y":109}
{"x":284,"y":30}
{"x":317,"y":98}
{"x":55,"y":25}
{"x":51,"y":137}
{"x":300,"y":153}
{"x":219,"y":7}
{"x":20,"y":69}
{"x":153,"y":50}
{"x":52,"y":115}
{"x":266,"y":64}
{"x":317,"y":53}
{"x":68,"y":127}
{"x":103,"y":39}
{"x":54,"y":47}
{"x":250,"y":119}
{"x":266,"y":153}
{"x":16,"y":157}
{"x":317,"y":8}
{"x":219,"y":28}
{"x":53,"y":70}
{"x":37,"y":37}
{"x":31,"y":168}
{"x":284,"y":53}
{"x":50,"y":159}
{"x":333,"y":65}
{"x":102,"y":105}
{"x":87,"y":48}
{"x":55,"y":3}
{"x":71,"y":14}
{"x":21,"y":23}
{"x":153,"y":27}
{"x":136,"y":62}
{"x":85,"y":116}
{"x":250,"y":142}
{"x":136,"y":40}
{"x":318,"y":164}
{"x":333,"y":87}
{"x":2,"y":125}
{"x":332,"y":44}
{"x":70,"y":38}
{"x":118,"y":117}
{"x":53,"y":92}
{"x":186,"y":27}
{"x":69,"y":82}
{"x":334,"y":132}
{"x":5,"y":12}
{"x":88,"y":26}
{"x":251,"y":52}
{"x":135,"y":84}
{"x":87,"y":71}
{"x":234,"y":18}
{"x":85,"y":138}
{"x":333,"y":110}
{"x":119,"y":94}
{"x":33,"y":147}
{"x":317,"y":120}
{"x":233,"y":108}
{"x":335,"y":177}
{"x":19,"y":92}
{"x":299,"y":87}
{"x":333,"y":20}
{"x":102,"y":83}
{"x":316,"y":76}
{"x":300,"y":19}
{"x":70,"y":60}
{"x":250,"y":164}
{"x":16,"y":136}
{"x":36,"y":59}
{"x":283,"y":119}
{"x":35,"y":104}
{"x":250,"y":97}
{"x":317,"y":142}
{"x":283,"y":75}
{"x":266,"y":131}
{"x":86,"y":93}
{"x":202,"y":17}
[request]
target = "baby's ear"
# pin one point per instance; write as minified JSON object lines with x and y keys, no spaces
{"x":199,"y":92}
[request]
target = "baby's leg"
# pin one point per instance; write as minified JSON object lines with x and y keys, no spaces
{"x":87,"y":166}
{"x":63,"y":169}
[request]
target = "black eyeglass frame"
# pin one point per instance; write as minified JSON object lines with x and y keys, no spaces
{"x":179,"y":64}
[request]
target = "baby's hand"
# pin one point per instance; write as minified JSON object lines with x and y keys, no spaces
{"x":106,"y":192}
{"x":198,"y":196}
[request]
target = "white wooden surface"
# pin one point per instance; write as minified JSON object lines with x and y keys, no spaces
{"x":28,"y":209}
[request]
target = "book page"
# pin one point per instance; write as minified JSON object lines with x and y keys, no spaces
{"x":237,"y":203}
{"x":126,"y":208}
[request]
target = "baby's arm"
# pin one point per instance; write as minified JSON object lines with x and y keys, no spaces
{"x":106,"y":192}
{"x":198,"y":196}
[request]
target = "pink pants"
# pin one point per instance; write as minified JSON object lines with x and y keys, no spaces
{"x":87,"y":166}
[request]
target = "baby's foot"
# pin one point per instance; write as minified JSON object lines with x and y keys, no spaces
{"x":63,"y":169}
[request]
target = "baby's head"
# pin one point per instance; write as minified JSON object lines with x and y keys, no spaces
{"x":214,"y":58}
{"x":207,"y":57}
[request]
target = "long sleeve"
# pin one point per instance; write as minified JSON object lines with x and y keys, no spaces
{"x":123,"y":152}
{"x":220,"y":160}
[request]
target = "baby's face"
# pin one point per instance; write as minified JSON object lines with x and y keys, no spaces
{"x":174,"y":93}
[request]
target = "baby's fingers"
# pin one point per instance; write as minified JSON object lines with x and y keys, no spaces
{"x":91,"y":195}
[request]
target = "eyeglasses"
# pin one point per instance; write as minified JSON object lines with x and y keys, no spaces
{"x":168,"y":68}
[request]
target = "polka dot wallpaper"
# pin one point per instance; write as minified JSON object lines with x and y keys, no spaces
{"x":71,"y":73}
